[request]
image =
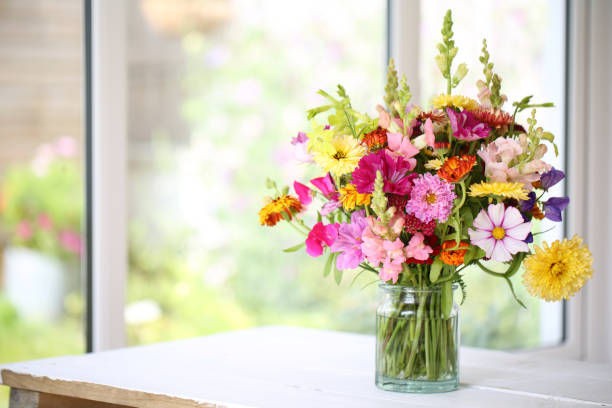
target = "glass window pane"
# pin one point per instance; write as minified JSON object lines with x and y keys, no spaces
{"x":217,"y":88}
{"x":41,"y":180}
{"x":526,"y":41}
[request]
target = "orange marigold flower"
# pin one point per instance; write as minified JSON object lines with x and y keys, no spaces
{"x":376,"y":139}
{"x":455,"y":256}
{"x":495,"y":118}
{"x":273,"y":211}
{"x":456,"y":167}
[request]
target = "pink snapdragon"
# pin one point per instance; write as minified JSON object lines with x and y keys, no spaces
{"x":417,"y":248}
{"x":400,"y":146}
{"x":381,"y":244}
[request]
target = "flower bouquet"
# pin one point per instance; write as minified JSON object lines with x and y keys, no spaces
{"x":418,"y":195}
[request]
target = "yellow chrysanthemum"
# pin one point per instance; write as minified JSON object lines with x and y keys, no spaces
{"x":558,"y":271}
{"x":349,"y":197}
{"x":505,"y":190}
{"x":340,"y":156}
{"x":434,"y":164}
{"x":455,"y":101}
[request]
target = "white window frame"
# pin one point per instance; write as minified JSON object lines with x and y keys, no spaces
{"x":588,"y":335}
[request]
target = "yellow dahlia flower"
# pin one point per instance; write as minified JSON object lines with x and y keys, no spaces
{"x":456,"y":101}
{"x":505,"y":190}
{"x":340,"y":156}
{"x":558,"y":271}
{"x":349,"y":197}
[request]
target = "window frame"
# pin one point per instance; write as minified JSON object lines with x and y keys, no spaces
{"x":106,"y":153}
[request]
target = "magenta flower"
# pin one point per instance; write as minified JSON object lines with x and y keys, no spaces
{"x":303,"y":193}
{"x":431,"y":198}
{"x":326,"y":185}
{"x":395,"y":171}
{"x":500,"y":232}
{"x":320,"y":235}
{"x":349,"y":242}
{"x":466,"y":127}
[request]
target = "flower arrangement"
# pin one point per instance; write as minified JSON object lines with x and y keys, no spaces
{"x":417,"y":195}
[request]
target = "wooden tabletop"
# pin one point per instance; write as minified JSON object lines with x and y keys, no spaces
{"x":300,"y":368}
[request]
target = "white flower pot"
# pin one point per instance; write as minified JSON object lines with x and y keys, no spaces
{"x":34,"y":283}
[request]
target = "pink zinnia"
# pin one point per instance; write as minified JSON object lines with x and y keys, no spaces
{"x":349,"y":242}
{"x":395,"y":171}
{"x":500,"y":232}
{"x":466,"y":127}
{"x":320,"y":235}
{"x":431,"y":198}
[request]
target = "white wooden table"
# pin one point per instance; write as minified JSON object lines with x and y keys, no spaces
{"x":291,"y":368}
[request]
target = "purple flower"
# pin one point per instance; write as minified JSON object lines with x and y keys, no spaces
{"x":500,"y":232}
{"x":349,"y":242}
{"x":550,"y":178}
{"x":527,"y":205}
{"x":466,"y":127}
{"x":431,"y":198}
{"x":395,"y":171}
{"x":554,"y":206}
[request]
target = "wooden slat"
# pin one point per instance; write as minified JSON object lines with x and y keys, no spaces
{"x":281,"y":367}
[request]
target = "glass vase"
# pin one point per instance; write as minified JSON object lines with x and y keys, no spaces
{"x":417,"y":342}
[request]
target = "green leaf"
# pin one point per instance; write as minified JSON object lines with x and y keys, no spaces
{"x":319,"y":217}
{"x":436,"y":268}
{"x":337,"y":275}
{"x":294,"y":248}
{"x":328,"y":265}
{"x":447,"y":298}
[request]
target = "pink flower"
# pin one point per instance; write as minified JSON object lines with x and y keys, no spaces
{"x":500,"y":158}
{"x":303,"y":193}
{"x":24,"y":230}
{"x":392,"y":264}
{"x":372,"y":246}
{"x":395,"y":171}
{"x":71,"y":242}
{"x":500,"y":232}
{"x":384,"y":119}
{"x":349,"y":242}
{"x":400,"y":146}
{"x":66,"y":146}
{"x":45,"y":222}
{"x":330,"y":207}
{"x":430,"y":137}
{"x":431,"y":198}
{"x":320,"y":235}
{"x":466,"y":127}
{"x":417,"y":249}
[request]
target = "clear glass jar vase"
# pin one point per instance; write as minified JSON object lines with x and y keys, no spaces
{"x":417,"y":342}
